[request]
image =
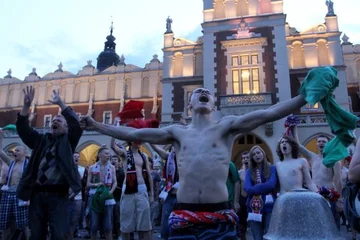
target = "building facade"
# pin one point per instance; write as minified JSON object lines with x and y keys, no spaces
{"x":249,"y":57}
{"x":98,"y":91}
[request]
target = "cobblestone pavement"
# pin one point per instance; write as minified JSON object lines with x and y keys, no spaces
{"x":156,"y":235}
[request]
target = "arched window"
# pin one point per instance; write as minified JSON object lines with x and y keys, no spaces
{"x":111,"y":89}
{"x":77,"y":92}
{"x":88,"y":155}
{"x":219,"y":8}
{"x":127,"y":88}
{"x":145,"y":87}
{"x":63,"y":91}
{"x":298,"y":55}
{"x":159,"y":87}
{"x":323,"y":53}
{"x":49,"y":92}
{"x":92,"y":88}
{"x":9,"y":98}
{"x":358,"y":69}
{"x":178,"y":65}
{"x":198,"y":64}
{"x":242,"y":8}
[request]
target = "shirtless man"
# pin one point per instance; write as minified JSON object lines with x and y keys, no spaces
{"x":292,"y":171}
{"x":203,"y":151}
{"x":102,"y":173}
{"x":243,"y":214}
{"x":168,"y":194}
{"x":328,"y":180}
{"x":11,"y":206}
{"x":135,"y":213}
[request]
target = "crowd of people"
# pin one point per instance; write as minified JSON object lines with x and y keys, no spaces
{"x":199,"y":195}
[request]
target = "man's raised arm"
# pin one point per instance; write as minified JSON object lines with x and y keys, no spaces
{"x":250,"y":121}
{"x":72,"y":120}
{"x":27,"y":134}
{"x":3,"y":156}
{"x":161,"y":151}
{"x":117,"y":150}
{"x":150,"y":135}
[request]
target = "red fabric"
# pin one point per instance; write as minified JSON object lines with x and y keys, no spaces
{"x":131,"y":110}
{"x":348,"y":159}
{"x":182,"y":218}
{"x":142,"y":123}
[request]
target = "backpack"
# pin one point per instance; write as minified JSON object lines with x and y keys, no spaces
{"x":351,"y":197}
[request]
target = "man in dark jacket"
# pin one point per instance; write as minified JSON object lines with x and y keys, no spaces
{"x":51,"y":170}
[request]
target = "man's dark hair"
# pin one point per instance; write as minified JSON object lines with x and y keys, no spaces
{"x":295,"y":148}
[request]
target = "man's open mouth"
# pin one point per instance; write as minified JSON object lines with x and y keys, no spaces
{"x":284,"y":148}
{"x":204,"y":98}
{"x":54,"y":127}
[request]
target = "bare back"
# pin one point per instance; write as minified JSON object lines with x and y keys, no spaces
{"x":203,"y":159}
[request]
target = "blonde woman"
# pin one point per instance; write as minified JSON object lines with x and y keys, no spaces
{"x":260,"y":185}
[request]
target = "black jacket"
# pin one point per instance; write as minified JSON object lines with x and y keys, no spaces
{"x":64,"y":144}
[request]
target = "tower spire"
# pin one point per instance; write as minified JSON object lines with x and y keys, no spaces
{"x":112,"y":26}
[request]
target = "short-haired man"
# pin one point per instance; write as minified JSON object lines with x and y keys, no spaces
{"x":101,"y":174}
{"x":11,"y":206}
{"x":292,"y":171}
{"x":203,"y":146}
{"x":51,"y":171}
{"x":328,"y":180}
{"x":76,"y":203}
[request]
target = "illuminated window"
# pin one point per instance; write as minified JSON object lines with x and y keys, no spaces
{"x":235,"y":61}
{"x":245,"y":76}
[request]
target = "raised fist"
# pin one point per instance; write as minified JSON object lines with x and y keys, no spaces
{"x":87,"y":123}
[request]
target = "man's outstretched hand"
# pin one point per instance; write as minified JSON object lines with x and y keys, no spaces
{"x":29,"y":94}
{"x":87,"y":123}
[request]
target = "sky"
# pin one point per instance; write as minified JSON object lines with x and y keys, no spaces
{"x":43,"y":33}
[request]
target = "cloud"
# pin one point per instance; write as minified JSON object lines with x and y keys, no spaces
{"x":42,"y":33}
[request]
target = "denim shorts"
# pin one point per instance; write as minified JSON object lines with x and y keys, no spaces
{"x":105,"y":218}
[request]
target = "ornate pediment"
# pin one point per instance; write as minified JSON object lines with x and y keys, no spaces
{"x":320,"y":28}
{"x":183,"y":42}
{"x":243,"y":32}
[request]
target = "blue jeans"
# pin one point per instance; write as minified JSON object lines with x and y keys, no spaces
{"x":48,"y":208}
{"x":335,"y":214}
{"x":167,"y":208}
{"x":259,"y":229}
{"x":74,"y":215}
{"x":105,"y":218}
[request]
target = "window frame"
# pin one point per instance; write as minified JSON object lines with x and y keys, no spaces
{"x":110,"y":118}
